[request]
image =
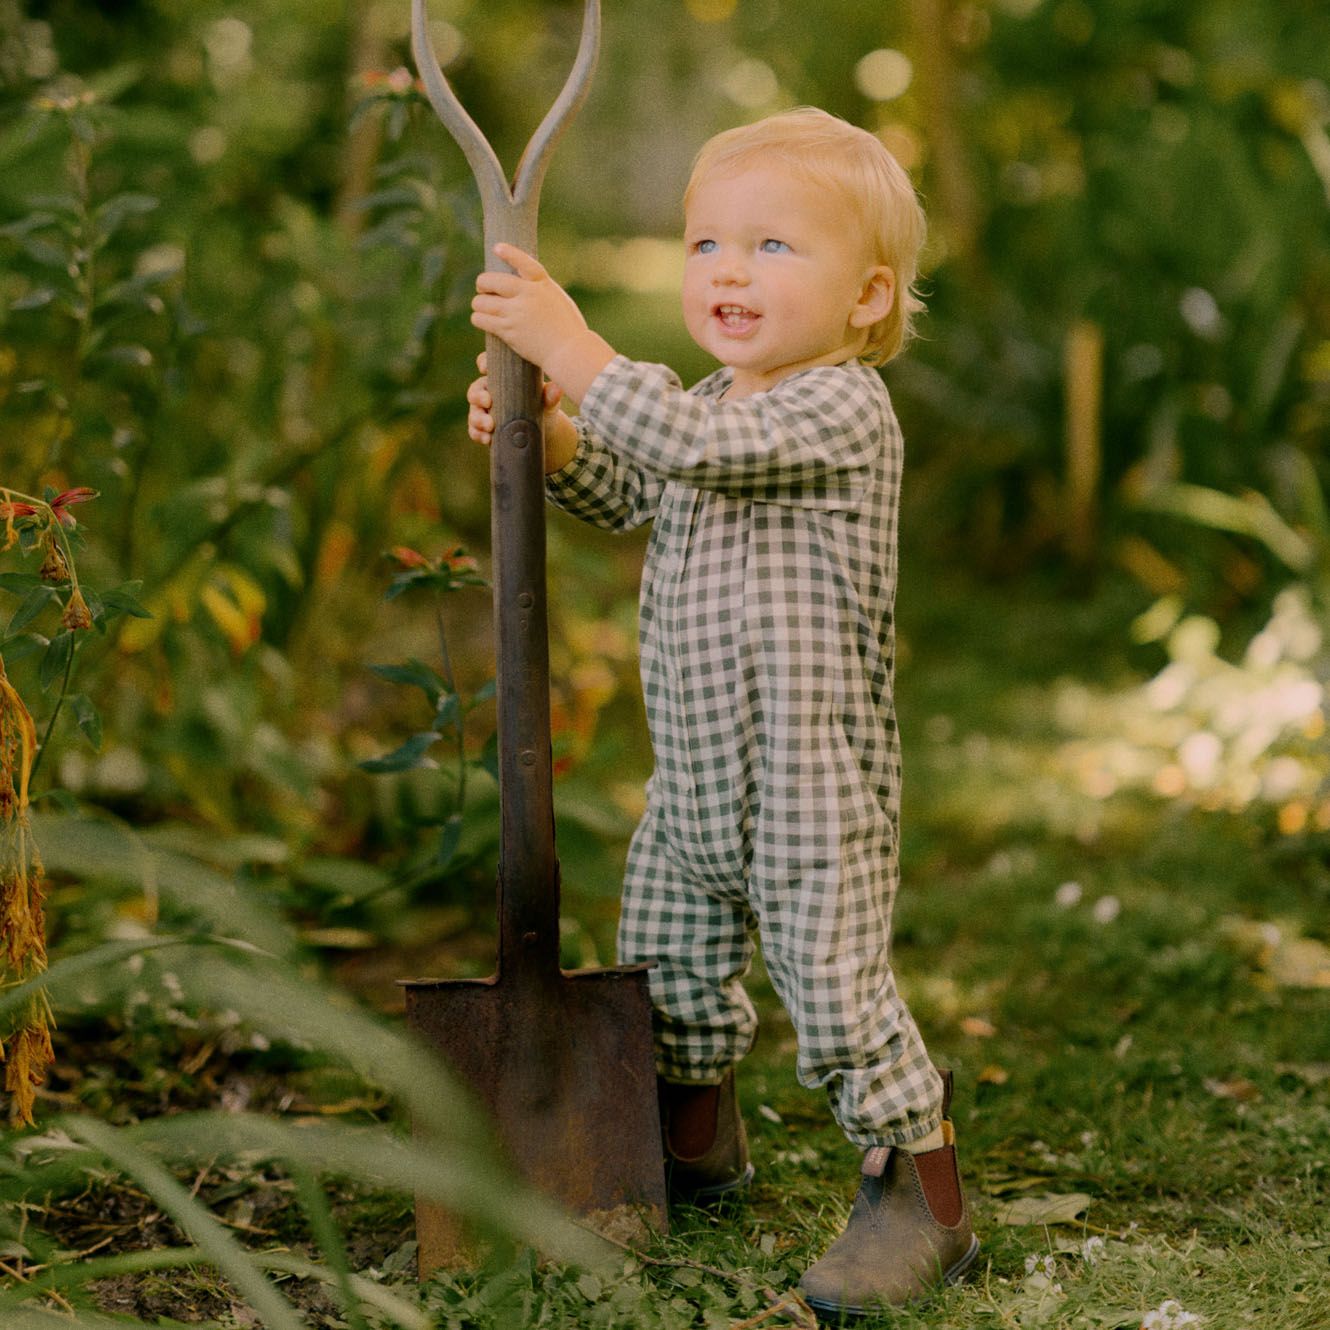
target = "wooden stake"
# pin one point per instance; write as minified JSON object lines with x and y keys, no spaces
{"x":1083,"y":378}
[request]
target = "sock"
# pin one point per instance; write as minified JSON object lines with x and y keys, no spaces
{"x":935,"y":1140}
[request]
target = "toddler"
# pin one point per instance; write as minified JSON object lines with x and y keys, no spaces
{"x":767,"y":635}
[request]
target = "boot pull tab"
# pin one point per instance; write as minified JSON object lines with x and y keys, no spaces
{"x":945,"y":1074}
{"x":875,"y":1161}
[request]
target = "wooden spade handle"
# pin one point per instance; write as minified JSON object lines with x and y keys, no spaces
{"x":528,"y":869}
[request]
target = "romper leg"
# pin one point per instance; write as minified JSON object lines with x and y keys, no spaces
{"x":702,"y":946}
{"x":826,"y":938}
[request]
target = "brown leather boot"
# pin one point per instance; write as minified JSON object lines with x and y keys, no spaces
{"x":908,"y":1235}
{"x":706,"y":1147}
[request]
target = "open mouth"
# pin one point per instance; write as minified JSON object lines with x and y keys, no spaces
{"x":737,"y":318}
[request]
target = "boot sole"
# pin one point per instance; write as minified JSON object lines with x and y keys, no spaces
{"x":833,"y":1313}
{"x":717,"y":1191}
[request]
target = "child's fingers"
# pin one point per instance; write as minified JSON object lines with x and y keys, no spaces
{"x":553,"y":396}
{"x":523,"y":264}
{"x":486,"y":314}
{"x":483,"y":362}
{"x":480,"y":425}
{"x":478,"y":394}
{"x":499,"y":283}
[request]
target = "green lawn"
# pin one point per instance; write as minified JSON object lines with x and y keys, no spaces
{"x":1134,"y":995}
{"x":1127,"y":1060}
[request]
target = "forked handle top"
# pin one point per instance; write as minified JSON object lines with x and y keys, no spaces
{"x":510,"y":211}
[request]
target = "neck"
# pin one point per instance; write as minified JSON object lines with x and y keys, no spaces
{"x":748,"y":382}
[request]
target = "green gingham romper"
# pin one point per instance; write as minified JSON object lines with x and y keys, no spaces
{"x":766,"y":630}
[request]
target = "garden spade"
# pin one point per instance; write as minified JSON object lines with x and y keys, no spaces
{"x":563,"y":1060}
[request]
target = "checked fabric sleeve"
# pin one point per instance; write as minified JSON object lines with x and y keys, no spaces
{"x":807,"y":442}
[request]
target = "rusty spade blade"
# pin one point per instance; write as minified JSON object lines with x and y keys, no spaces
{"x":563,"y":1060}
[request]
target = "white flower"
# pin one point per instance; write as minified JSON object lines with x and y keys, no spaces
{"x":1169,"y":1316}
{"x":1092,"y":1249}
{"x":1106,"y":909}
{"x":1068,"y":894}
{"x":1041,"y":1265}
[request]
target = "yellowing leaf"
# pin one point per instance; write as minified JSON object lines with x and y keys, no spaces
{"x":1051,"y":1208}
{"x":1239,"y":1088}
{"x":236,"y":603}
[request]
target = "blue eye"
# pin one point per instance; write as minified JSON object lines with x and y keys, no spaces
{"x":773,"y":246}
{"x":705,"y":247}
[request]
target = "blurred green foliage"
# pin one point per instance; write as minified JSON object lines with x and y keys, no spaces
{"x":237,"y":252}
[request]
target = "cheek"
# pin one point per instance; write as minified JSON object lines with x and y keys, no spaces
{"x":694,"y":299}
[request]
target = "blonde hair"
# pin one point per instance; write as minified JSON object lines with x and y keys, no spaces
{"x":855,"y":164}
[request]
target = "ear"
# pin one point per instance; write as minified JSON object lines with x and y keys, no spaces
{"x":876,"y":298}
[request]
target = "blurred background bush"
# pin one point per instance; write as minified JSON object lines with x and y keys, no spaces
{"x":236,"y":251}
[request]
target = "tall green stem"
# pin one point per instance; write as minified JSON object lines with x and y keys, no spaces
{"x":55,"y":711}
{"x":459,"y":721}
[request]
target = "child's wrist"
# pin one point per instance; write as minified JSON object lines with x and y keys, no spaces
{"x":560,"y":442}
{"x":578,"y":361}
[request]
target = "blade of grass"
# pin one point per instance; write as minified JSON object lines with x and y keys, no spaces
{"x":99,"y":849}
{"x":77,"y":1274}
{"x":40,"y":1318}
{"x":222,"y":1249}
{"x":323,"y":1228}
{"x":291,"y":1008}
{"x":480,"y":1188}
{"x":64,"y":972}
{"x":401,"y":1311}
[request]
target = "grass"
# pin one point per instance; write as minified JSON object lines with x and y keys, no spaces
{"x":1121,"y":1040}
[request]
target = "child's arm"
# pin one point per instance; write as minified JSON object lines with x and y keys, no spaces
{"x":811,"y":441}
{"x":600,"y":488}
{"x":540,"y":321}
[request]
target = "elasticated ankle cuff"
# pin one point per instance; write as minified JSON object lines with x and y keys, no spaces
{"x":941,"y":1184}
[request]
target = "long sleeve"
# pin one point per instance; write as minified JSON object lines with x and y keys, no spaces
{"x":809,"y":442}
{"x":602,"y":488}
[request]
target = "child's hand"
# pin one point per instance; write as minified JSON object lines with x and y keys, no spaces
{"x":534,"y":315}
{"x":479,"y":421}
{"x":560,"y":433}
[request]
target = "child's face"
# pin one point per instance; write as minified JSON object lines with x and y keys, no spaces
{"x":777,"y":278}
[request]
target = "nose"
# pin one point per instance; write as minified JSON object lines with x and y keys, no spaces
{"x":731,"y":270}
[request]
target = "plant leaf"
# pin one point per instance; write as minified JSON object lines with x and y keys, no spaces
{"x":124,"y":600}
{"x":449,"y":840}
{"x":489,"y":756}
{"x":129,"y":354}
{"x":110,"y":216}
{"x":36,"y":298}
{"x":57,"y":659}
{"x":485,"y":693}
{"x":88,"y":717}
{"x":416,"y":674}
{"x":30,"y":607}
{"x":448,"y":710}
{"x":16,"y":583}
{"x":406,"y":758}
